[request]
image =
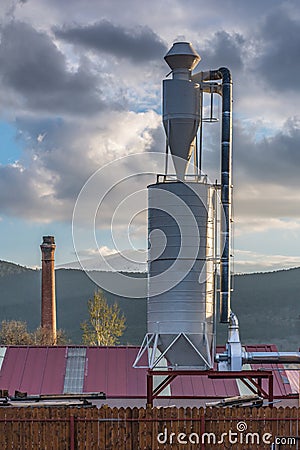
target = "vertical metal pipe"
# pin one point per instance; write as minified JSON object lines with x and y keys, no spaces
{"x":200,"y":133}
{"x":167,"y":150}
{"x":226,"y":165}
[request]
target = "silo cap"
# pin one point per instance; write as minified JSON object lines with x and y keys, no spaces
{"x":182,"y":56}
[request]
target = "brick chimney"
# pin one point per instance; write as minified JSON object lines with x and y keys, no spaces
{"x":48,"y":319}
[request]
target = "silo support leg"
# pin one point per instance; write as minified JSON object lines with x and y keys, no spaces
{"x":149,"y":390}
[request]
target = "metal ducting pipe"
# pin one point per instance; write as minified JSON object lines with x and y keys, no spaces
{"x":271,"y":357}
{"x":226,"y":165}
{"x":226,"y":168}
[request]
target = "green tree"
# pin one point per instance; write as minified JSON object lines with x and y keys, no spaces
{"x":14,"y":332}
{"x":106,"y":323}
{"x":44,"y":336}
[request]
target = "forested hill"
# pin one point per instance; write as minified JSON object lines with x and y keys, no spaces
{"x":267,"y":304}
{"x":8,"y":268}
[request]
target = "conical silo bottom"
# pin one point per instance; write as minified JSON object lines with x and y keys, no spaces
{"x":185,"y":351}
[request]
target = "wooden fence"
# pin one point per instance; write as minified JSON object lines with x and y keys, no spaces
{"x":76,"y":428}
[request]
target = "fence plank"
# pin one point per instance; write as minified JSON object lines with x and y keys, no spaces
{"x":122,"y":428}
{"x":181,"y":428}
{"x":96,"y":428}
{"x":135,"y":429}
{"x":281,"y":427}
{"x":155,"y":429}
{"x":227,"y":423}
{"x":102,"y":428}
{"x":8,"y":428}
{"x":128,"y":429}
{"x":188,"y":426}
{"x":294,"y":423}
{"x":108,"y":437}
{"x":27,"y":427}
{"x":36,"y":428}
{"x":115,"y":428}
{"x":15,"y":429}
{"x":88,"y":429}
{"x":54,"y":430}
{"x":142,"y":430}
{"x":149,"y":428}
{"x":65,"y":427}
{"x":31,"y":428}
{"x":160,"y":426}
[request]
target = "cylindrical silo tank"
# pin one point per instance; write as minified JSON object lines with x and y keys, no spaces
{"x":181,"y":272}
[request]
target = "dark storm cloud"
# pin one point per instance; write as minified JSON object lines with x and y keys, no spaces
{"x":139,"y":44}
{"x":20,"y":196}
{"x":46,"y":187}
{"x":158,"y":140}
{"x":265,"y":171}
{"x":223,"y":49}
{"x":274,"y":159}
{"x":278,"y":61}
{"x":33,"y":67}
{"x":271,"y":160}
{"x":63,"y":146}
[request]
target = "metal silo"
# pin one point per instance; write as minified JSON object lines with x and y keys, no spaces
{"x":181,"y":271}
{"x":182,"y":223}
{"x":182,"y":231}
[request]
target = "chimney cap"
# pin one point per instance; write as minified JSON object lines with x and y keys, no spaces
{"x":48,"y":240}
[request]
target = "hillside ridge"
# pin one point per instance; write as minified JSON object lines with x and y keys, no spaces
{"x":267,"y":304}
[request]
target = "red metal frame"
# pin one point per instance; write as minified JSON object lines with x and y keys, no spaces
{"x":246,"y":376}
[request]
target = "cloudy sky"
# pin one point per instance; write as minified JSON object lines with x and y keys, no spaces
{"x":80,"y":87}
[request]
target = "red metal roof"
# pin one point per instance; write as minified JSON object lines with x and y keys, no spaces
{"x":41,"y":370}
{"x":294,"y":379}
{"x":109,"y":369}
{"x":35,"y":370}
{"x":204,"y":386}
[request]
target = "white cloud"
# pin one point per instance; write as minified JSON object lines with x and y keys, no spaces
{"x":90,"y":252}
{"x":41,"y":137}
{"x":249,"y":261}
{"x":81,"y":106}
{"x":260,"y":225}
{"x":57,"y":167}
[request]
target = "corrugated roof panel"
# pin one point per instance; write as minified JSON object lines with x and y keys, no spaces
{"x":115,"y":368}
{"x":35,"y":370}
{"x":54,"y":371}
{"x":75,"y":369}
{"x":204,"y":386}
{"x":109,"y":369}
{"x":136,"y":378}
{"x":294,"y":379}
{"x":13,"y":368}
{"x":2,"y":354}
{"x":95,"y":374}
